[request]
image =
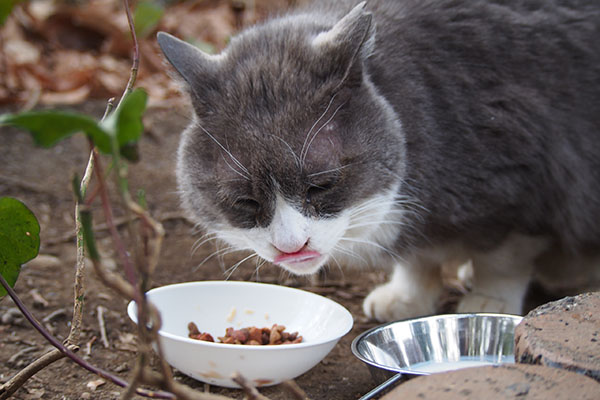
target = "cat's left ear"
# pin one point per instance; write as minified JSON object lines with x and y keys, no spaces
{"x":196,"y":67}
{"x":348,"y":43}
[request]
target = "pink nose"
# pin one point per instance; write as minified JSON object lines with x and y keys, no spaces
{"x":289,"y":248}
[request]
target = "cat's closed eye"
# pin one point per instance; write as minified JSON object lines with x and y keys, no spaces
{"x":316,"y":191}
{"x":246,"y":204}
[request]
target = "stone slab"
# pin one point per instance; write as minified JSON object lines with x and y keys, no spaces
{"x":509,"y":381}
{"x":562,"y":334}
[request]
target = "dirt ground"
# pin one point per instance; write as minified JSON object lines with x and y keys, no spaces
{"x":41,"y":178}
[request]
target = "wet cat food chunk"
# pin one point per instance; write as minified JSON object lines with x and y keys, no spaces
{"x":252,"y":336}
{"x":194,"y":333}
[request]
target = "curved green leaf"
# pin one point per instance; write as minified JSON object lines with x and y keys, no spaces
{"x":6,"y":7}
{"x":146,"y":16}
{"x":49,"y":127}
{"x":19,"y":238}
{"x":125,"y":123}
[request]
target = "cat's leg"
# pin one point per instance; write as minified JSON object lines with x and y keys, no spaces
{"x":502,"y":276}
{"x":413,"y":290}
{"x":560,"y":271}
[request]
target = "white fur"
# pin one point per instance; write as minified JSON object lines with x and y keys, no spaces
{"x":358,"y":235}
{"x":289,"y":230}
{"x":500,"y":280}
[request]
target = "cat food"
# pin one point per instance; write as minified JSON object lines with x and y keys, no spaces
{"x":252,"y":336}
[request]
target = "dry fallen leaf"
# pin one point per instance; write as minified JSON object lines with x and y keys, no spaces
{"x":126,"y":341}
{"x":94,"y":384}
{"x":66,"y":52}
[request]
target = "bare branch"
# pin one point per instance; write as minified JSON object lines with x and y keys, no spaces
{"x":250,"y":390}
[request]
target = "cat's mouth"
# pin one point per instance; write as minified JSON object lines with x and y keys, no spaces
{"x":300,"y":262}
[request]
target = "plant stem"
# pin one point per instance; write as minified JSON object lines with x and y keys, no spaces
{"x":136,"y":54}
{"x":10,"y":387}
{"x":70,"y":354}
{"x":79,"y":287}
{"x":118,"y":242}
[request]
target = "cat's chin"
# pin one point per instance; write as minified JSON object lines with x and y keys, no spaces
{"x":303,"y":267}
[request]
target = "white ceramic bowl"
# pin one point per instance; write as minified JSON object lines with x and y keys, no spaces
{"x":215,"y":305}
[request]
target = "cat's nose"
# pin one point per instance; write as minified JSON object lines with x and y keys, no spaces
{"x":290,"y":247}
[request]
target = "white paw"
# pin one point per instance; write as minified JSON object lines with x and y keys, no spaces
{"x":389,"y":303}
{"x":475,"y":302}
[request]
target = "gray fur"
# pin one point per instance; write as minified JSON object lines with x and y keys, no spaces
{"x":487,"y":112}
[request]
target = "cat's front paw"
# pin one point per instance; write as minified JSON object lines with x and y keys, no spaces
{"x":477,"y":302}
{"x":388,"y":303}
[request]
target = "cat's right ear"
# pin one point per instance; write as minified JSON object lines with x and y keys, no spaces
{"x":348,"y":43}
{"x":195,"y":66}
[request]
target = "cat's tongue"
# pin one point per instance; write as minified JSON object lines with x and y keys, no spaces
{"x":297,"y":257}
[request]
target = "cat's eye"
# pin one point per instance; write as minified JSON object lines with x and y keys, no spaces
{"x":246,"y":204}
{"x":314,"y":190}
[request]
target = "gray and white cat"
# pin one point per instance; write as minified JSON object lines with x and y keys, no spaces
{"x":409,"y":134}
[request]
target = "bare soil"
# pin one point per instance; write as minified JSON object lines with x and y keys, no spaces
{"x":41,"y":179}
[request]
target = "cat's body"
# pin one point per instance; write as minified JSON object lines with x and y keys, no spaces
{"x":411,"y":134}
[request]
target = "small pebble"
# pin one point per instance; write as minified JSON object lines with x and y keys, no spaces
{"x":12,"y":316}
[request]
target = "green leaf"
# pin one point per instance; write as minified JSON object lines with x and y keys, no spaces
{"x":146,"y":17}
{"x":6,"y":7}
{"x":125,"y":123}
{"x":19,"y":239}
{"x":49,"y":127}
{"x":85,"y":217}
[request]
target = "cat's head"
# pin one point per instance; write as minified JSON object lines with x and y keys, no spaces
{"x":292,"y":152}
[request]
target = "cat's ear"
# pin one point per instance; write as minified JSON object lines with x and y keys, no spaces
{"x":349,"y":42}
{"x":195,"y":66}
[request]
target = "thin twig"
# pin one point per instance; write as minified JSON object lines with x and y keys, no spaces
{"x":180,"y":390}
{"x":79,"y":286}
{"x":10,"y":387}
{"x":135,"y":378}
{"x":67,"y":350}
{"x":135,"y":63}
{"x":102,"y":326}
{"x":88,"y":345}
{"x":250,"y":390}
{"x":117,"y":241}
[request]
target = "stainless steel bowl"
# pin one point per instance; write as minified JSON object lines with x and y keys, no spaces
{"x":436,"y":344}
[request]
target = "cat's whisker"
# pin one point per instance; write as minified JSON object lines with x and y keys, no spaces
{"x":234,"y":170}
{"x":235,"y":160}
{"x":303,"y":156}
{"x":259,"y":263}
{"x":218,"y":252}
{"x":330,"y":170}
{"x":296,"y":158}
{"x":371,"y":243}
{"x":378,"y":202}
{"x":202,"y":240}
{"x":350,"y":253}
{"x":339,"y":266}
{"x":374,"y":212}
{"x":232,"y":269}
{"x":376,"y":223}
{"x":306,"y":138}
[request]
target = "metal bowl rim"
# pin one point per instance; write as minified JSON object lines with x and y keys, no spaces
{"x":357,"y":354}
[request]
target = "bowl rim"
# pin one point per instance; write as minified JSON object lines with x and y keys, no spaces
{"x":349,"y":320}
{"x":361,"y":336}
